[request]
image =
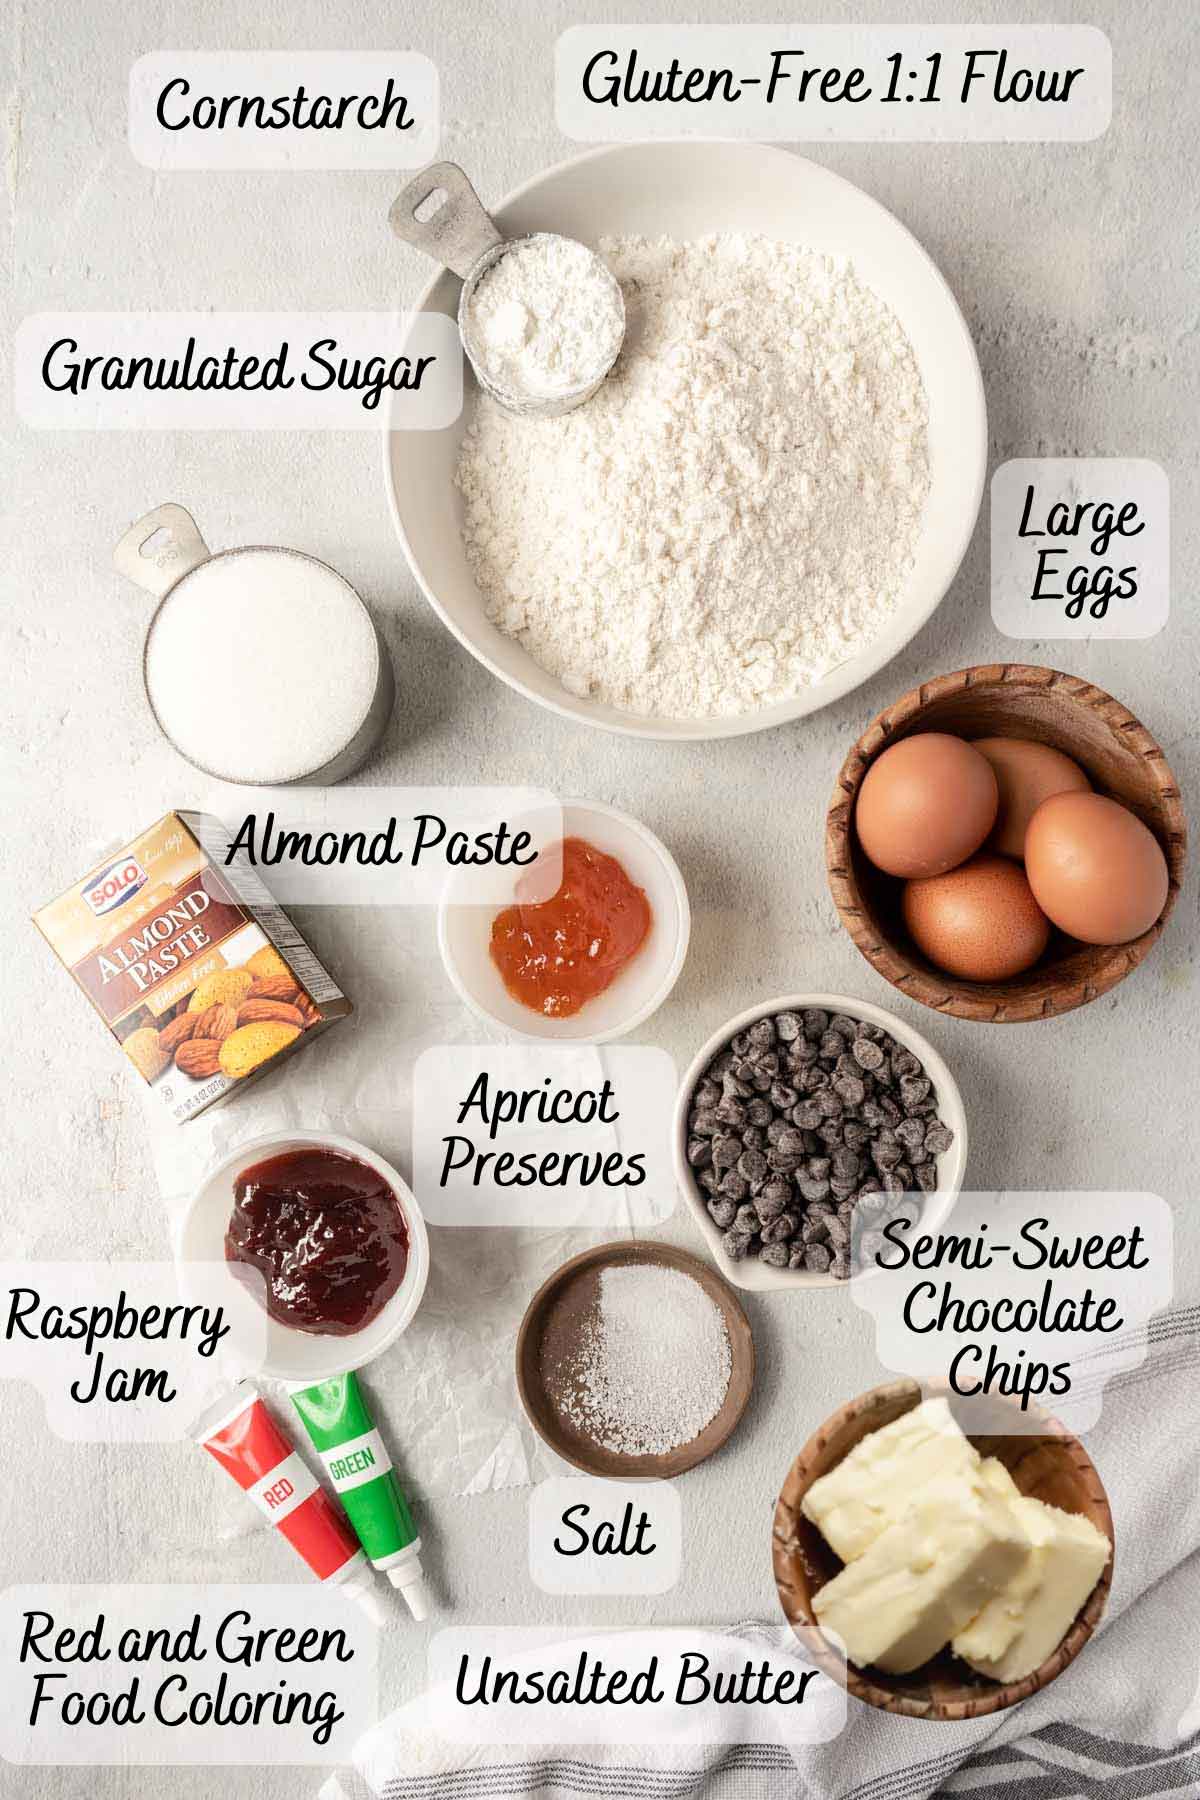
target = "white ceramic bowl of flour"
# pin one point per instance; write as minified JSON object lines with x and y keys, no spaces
{"x":688,"y":190}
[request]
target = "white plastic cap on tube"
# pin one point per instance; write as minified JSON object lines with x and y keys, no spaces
{"x":361,"y":1587}
{"x":408,"y":1577}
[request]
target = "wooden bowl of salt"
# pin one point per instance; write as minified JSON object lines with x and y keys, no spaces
{"x":557,"y":1323}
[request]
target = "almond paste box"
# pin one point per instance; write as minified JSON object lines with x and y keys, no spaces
{"x":199,"y":976}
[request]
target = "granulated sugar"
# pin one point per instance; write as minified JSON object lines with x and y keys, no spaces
{"x":653,"y":1367}
{"x":735,"y":512}
{"x":261,"y":665}
{"x":545,"y":319}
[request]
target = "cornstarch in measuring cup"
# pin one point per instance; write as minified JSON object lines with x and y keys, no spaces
{"x":261,"y":665}
{"x":652,"y":1367}
{"x":544,"y":319}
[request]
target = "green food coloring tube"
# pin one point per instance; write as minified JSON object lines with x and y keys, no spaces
{"x":335,"y":1415}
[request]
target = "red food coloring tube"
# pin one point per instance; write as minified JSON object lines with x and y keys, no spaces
{"x":248,"y":1444}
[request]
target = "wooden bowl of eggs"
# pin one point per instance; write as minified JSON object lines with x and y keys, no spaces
{"x":1045,"y":1610}
{"x":1005,"y":843}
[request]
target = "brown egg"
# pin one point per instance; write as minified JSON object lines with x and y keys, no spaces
{"x":1027,"y":774}
{"x":925,"y":805}
{"x":1096,"y":870}
{"x":980,"y":921}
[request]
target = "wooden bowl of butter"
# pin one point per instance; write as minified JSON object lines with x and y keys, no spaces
{"x":961,"y":1573}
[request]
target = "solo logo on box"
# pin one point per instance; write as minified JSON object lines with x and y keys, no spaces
{"x":114,"y":885}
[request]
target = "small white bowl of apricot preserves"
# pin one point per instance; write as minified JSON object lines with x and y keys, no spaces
{"x":588,"y":961}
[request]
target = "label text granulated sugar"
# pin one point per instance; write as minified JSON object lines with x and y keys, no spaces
{"x":653,"y":1366}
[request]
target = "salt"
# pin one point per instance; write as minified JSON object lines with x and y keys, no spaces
{"x":653,"y":1367}
{"x":261,"y":665}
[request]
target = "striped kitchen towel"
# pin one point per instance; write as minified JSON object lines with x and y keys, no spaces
{"x":1122,"y":1723}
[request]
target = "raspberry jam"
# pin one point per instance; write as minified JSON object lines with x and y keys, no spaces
{"x":555,"y":955}
{"x":327,"y":1235}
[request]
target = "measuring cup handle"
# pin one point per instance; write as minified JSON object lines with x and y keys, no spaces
{"x":458,"y":231}
{"x":182,"y":550}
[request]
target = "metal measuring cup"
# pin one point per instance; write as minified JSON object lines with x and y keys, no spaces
{"x":461,"y":234}
{"x":161,"y":551}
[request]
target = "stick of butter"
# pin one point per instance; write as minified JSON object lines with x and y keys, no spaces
{"x":873,"y":1486}
{"x":993,"y":1630}
{"x":1015,"y":1632}
{"x":926,"y":1576}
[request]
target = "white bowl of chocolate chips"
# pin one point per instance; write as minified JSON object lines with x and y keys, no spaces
{"x":807,"y":1118}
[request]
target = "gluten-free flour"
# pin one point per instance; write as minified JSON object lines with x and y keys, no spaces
{"x":735,"y":512}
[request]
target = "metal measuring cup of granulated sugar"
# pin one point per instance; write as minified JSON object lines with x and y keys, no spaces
{"x":327,"y":732}
{"x":439,"y":212}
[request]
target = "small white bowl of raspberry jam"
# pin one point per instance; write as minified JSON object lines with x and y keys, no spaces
{"x":288,"y":1353}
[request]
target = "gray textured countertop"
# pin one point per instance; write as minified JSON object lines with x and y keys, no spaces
{"x":1075,"y":267}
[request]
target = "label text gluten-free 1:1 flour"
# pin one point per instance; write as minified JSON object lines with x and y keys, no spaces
{"x":735,"y":512}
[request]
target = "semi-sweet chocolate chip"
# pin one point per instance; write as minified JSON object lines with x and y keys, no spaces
{"x":801,"y":1119}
